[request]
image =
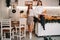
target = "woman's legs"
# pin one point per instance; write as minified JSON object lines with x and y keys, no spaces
{"x":31,"y":27}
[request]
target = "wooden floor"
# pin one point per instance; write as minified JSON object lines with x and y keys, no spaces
{"x":34,"y":37}
{"x":37,"y":38}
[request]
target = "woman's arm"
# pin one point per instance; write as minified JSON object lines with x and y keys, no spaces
{"x":44,"y":12}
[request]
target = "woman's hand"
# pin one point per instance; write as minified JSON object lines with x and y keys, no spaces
{"x":38,"y":17}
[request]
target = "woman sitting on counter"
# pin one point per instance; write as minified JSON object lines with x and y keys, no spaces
{"x":40,"y":12}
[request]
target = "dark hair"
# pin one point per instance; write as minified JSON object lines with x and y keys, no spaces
{"x":28,"y":9}
{"x":29,"y":6}
{"x":38,"y":2}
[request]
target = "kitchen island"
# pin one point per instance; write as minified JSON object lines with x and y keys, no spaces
{"x":52,"y":26}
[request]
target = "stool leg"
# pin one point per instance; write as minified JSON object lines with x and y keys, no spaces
{"x":20,"y":33}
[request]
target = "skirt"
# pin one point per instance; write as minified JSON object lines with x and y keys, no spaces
{"x":30,"y":20}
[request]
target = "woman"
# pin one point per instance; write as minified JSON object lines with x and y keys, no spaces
{"x":40,"y":13}
{"x":30,"y":20}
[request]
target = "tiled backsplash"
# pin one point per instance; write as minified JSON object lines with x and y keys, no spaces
{"x":53,"y":11}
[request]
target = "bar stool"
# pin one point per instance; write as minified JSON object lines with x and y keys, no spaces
{"x":23,"y":25}
{"x":6,"y":33}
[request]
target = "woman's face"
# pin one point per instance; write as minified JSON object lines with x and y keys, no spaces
{"x":30,"y":6}
{"x":40,"y":3}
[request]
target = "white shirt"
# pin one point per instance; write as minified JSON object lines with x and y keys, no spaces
{"x":31,"y":12}
{"x":14,"y":16}
{"x":38,"y":10}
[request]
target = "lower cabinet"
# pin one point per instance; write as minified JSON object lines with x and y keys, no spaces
{"x":50,"y":29}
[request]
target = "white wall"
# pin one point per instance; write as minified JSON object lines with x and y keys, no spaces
{"x":45,"y":2}
{"x":4,"y":11}
{"x":22,"y":2}
{"x":50,"y":2}
{"x":0,"y":8}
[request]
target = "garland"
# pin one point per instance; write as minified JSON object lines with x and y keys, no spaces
{"x":52,"y":21}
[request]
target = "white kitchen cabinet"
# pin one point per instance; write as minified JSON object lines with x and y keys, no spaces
{"x":50,"y":29}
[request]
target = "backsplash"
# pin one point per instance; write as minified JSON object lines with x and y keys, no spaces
{"x":53,"y":11}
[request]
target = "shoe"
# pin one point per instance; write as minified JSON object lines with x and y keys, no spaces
{"x":50,"y":38}
{"x":30,"y":35}
{"x":45,"y":38}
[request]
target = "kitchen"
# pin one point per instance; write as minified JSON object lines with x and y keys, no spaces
{"x":52,"y":9}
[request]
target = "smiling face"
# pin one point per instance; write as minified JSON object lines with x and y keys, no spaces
{"x":39,"y":3}
{"x":30,"y":6}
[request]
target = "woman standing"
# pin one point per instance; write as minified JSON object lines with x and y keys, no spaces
{"x":40,"y":12}
{"x":30,"y":20}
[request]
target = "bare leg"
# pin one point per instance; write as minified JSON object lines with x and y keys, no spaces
{"x":31,"y":29}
